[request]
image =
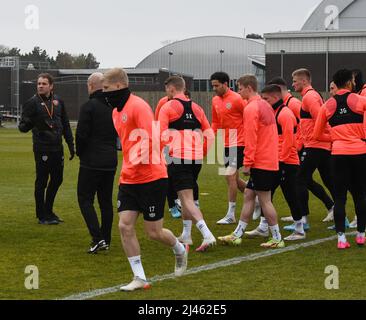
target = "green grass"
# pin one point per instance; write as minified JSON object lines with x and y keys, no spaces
{"x":65,"y":268}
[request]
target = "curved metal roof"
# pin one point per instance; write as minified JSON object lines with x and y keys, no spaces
{"x":351,"y":16}
{"x":200,"y":56}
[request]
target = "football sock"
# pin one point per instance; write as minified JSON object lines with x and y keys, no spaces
{"x":299,"y":227}
{"x":239,"y":231}
{"x":137,"y":268}
{"x":231,"y":210}
{"x":276,"y":234}
{"x":342,"y":237}
{"x":178,"y":248}
{"x":187,"y":228}
{"x":263,"y":225}
{"x":202,"y":227}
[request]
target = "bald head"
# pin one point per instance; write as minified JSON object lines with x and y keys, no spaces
{"x":95,"y":82}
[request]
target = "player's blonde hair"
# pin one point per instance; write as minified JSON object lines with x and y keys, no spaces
{"x":304,"y":73}
{"x":116,"y":75}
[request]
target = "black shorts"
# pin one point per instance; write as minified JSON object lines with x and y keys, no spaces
{"x":148,"y":199}
{"x":262,"y":180}
{"x":234,"y":157}
{"x":183,"y":175}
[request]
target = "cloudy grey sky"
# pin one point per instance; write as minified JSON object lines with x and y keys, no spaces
{"x":122,"y":33}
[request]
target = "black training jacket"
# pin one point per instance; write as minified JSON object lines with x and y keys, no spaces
{"x":96,"y":137}
{"x":47,"y":127}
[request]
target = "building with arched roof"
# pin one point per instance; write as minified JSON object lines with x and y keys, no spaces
{"x":333,"y":37}
{"x":202,"y":56}
{"x":337,"y":15}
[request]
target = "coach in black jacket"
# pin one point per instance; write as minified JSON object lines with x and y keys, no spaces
{"x":46,"y":116}
{"x":97,"y":149}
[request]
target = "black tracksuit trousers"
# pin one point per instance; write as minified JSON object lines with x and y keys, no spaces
{"x":49,"y":177}
{"x":349,"y":173}
{"x":97,"y":182}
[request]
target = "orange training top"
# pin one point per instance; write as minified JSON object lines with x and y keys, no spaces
{"x":363,"y":94}
{"x":295,"y":106}
{"x":344,"y":113}
{"x":185,"y":144}
{"x":143,"y":160}
{"x":261,"y":136}
{"x":311,"y":104}
{"x":363,"y":91}
{"x":161,"y":102}
{"x":287,"y":125}
{"x":227,"y":114}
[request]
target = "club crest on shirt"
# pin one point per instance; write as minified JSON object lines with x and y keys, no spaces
{"x":124,"y":118}
{"x":229,"y":106}
{"x":56,"y":103}
{"x":44,"y":158}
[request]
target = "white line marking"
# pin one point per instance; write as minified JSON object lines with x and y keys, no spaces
{"x":213,"y":266}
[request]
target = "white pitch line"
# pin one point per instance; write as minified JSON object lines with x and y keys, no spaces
{"x":221,"y":264}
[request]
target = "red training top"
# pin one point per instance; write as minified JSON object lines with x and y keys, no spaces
{"x":261,"y":136}
{"x":311,"y":104}
{"x":295,"y":106}
{"x":287,"y":125}
{"x":185,"y":144}
{"x":143,"y":160}
{"x":347,"y":132}
{"x":161,"y":102}
{"x":227,"y":114}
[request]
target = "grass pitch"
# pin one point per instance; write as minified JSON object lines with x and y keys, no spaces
{"x":65,"y":269}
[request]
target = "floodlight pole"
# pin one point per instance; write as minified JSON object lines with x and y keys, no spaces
{"x":170,"y":57}
{"x":221,"y":53}
{"x":282,"y":63}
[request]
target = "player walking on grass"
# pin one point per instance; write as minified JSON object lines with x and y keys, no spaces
{"x":96,"y":146}
{"x":260,"y":162}
{"x":333,"y":91}
{"x":345,"y":115}
{"x":172,"y":197}
{"x":227,"y":115}
{"x":143,"y":182}
{"x":186,"y":122}
{"x":288,"y":156}
{"x":295,"y":106}
{"x":316,"y":154}
{"x":175,"y":206}
{"x":46,"y":116}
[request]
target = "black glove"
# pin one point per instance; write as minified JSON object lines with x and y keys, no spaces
{"x":72,"y":152}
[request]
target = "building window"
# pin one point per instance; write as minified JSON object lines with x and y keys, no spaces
{"x":260,"y":74}
{"x":196,"y":85}
{"x":203,"y":85}
{"x":141,"y":80}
